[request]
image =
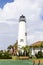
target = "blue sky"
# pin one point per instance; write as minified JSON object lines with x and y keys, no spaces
{"x":10,"y":12}
{"x":4,"y":2}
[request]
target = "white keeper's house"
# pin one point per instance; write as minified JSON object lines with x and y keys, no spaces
{"x":36,"y":47}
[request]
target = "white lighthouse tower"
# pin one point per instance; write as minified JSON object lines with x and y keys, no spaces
{"x":22,"y":34}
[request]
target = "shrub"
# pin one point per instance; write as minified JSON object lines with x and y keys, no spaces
{"x":39,"y":54}
{"x":5,"y":56}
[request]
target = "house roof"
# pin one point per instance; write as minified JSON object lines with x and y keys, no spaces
{"x":39,"y":43}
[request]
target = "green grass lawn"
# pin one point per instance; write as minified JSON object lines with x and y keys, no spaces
{"x":17,"y":62}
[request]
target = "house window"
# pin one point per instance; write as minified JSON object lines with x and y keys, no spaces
{"x":25,"y":34}
{"x":21,"y":40}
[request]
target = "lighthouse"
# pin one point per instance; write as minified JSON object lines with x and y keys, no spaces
{"x":22,"y":34}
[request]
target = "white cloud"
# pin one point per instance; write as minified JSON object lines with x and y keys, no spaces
{"x":32,"y":9}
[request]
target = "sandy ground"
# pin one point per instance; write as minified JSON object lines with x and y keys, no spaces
{"x":38,"y":60}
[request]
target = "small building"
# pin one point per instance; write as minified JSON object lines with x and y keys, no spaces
{"x":36,"y":47}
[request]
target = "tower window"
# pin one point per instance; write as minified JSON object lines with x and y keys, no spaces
{"x":21,"y":40}
{"x":25,"y":34}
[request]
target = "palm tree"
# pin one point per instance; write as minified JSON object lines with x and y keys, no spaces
{"x":9,"y":47}
{"x":26,"y":50}
{"x":16,"y":45}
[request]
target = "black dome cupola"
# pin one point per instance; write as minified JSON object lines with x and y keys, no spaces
{"x":22,"y":18}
